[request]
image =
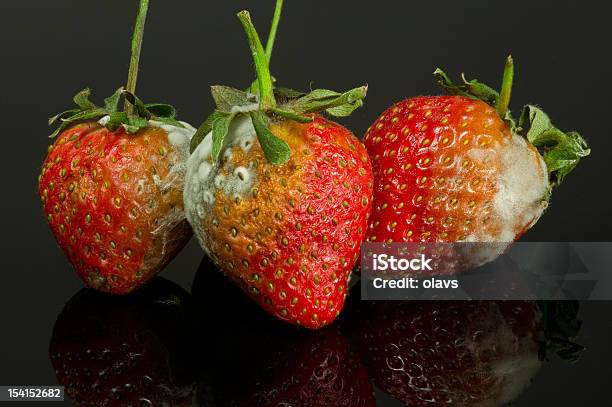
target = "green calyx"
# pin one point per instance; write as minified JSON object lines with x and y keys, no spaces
{"x":136,"y":114}
{"x":131,"y":122}
{"x":560,"y":326}
{"x":561,"y":151}
{"x":263,"y":102}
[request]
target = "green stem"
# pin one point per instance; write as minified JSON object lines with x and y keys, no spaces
{"x":506,"y":89}
{"x":136,"y":48}
{"x":278,"y":10}
{"x":267,"y":101}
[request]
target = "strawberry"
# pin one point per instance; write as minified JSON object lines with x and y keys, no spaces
{"x":111,"y":186}
{"x":458,"y":168}
{"x":462,"y":353}
{"x":130,"y":350}
{"x":264,"y":362}
{"x":278,"y":195}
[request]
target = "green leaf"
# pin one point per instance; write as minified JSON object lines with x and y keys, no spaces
{"x":227,"y":98}
{"x":291,"y":115}
{"x":472,"y":89}
{"x":83,"y":116}
{"x":140,"y":107}
{"x":345,"y":110}
{"x":288,"y":94}
{"x":133,"y":124}
{"x":277,"y":151}
{"x":81,"y":99}
{"x":161,"y":110}
{"x":93,"y":114}
{"x":536,"y":119}
{"x":170,"y":121}
{"x":341,"y":104}
{"x":481,"y":91}
{"x":116,"y":120}
{"x":220,"y":128}
{"x":445,"y":82}
{"x":561,"y":151}
{"x":112,"y":103}
{"x":87,"y":111}
{"x":63,"y":115}
{"x":204,"y":129}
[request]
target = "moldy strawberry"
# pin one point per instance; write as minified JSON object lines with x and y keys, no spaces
{"x":459,"y":168}
{"x":112,"y":182}
{"x":278,"y":195}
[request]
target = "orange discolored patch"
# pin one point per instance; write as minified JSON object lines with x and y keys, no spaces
{"x":288,"y":234}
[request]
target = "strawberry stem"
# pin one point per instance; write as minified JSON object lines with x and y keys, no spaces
{"x":278,"y":10}
{"x":267,"y":101}
{"x":506,"y":88}
{"x":137,"y":37}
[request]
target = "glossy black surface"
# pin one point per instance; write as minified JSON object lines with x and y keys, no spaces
{"x":52,"y":49}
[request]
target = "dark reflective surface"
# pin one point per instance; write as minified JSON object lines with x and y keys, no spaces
{"x":464,"y":353}
{"x":214,"y":347}
{"x":135,"y":350}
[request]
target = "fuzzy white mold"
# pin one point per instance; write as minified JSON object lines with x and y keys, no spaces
{"x":522,"y":187}
{"x":205,"y":179}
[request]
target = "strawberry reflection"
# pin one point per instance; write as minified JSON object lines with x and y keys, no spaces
{"x":256,"y":360}
{"x":459,"y":353}
{"x":122,"y":351}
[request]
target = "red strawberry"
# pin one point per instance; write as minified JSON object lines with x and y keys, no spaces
{"x":112,"y":190}
{"x":122,"y":351}
{"x":264,"y":362}
{"x":453,"y":168}
{"x":283,"y":217}
{"x":460,"y":353}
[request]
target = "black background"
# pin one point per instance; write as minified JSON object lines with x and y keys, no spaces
{"x":53,"y":48}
